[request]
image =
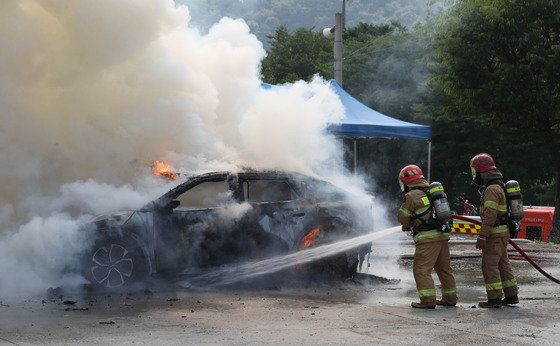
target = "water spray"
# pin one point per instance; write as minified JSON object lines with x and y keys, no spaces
{"x":229,"y":275}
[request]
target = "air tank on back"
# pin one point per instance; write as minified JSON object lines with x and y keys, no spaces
{"x":514,"y":200}
{"x":441,"y":205}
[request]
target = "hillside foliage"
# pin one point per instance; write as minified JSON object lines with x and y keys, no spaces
{"x":498,"y":95}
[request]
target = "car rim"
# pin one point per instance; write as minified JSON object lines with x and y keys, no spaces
{"x":111,"y":265}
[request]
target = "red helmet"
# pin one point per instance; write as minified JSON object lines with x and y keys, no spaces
{"x":410,"y":173}
{"x":482,"y":162}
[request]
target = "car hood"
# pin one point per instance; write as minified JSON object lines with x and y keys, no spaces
{"x":113,"y":220}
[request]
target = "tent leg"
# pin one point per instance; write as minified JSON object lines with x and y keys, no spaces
{"x":429,"y":159}
{"x":355,"y":156}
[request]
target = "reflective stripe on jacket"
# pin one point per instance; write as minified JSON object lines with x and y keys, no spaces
{"x":432,"y":234}
{"x":492,"y":206}
{"x":415,"y":203}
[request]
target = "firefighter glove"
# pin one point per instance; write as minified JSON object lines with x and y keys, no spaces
{"x":481,"y":242}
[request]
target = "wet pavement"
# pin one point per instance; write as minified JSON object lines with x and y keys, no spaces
{"x":364,"y":310}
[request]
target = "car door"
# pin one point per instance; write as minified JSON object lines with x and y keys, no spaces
{"x":194,"y":233}
{"x":278,"y":209}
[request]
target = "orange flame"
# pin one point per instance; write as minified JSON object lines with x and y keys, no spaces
{"x":306,"y":242}
{"x":163,"y":169}
{"x":309,"y":239}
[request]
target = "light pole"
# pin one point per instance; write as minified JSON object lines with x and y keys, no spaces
{"x":338,"y":47}
{"x":343,"y":15}
{"x":336,"y":33}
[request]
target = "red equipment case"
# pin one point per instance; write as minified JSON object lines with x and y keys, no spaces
{"x":536,"y":223}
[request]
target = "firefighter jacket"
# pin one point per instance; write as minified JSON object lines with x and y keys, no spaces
{"x":493,"y":205}
{"x":416,"y":202}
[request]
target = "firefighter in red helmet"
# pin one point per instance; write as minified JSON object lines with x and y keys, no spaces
{"x":494,"y":234}
{"x":432,"y":248}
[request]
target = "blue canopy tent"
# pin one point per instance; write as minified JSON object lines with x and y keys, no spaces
{"x":360,"y":121}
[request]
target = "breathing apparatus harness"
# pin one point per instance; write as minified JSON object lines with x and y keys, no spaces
{"x":514,"y":212}
{"x":440,"y":213}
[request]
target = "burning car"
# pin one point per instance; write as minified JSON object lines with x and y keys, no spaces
{"x":223,"y":218}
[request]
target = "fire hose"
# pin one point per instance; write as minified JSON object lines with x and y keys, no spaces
{"x":536,"y":266}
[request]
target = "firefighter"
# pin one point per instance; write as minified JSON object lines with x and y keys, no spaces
{"x":494,"y":233}
{"x":432,"y":248}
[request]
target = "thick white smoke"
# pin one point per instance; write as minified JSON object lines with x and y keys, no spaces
{"x":91,"y":92}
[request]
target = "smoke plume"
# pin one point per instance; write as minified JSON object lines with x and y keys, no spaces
{"x":91,"y":92}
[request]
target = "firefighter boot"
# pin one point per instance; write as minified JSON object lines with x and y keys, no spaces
{"x":422,"y":306}
{"x":444,"y":303}
{"x":510,"y":300}
{"x":491,"y":303}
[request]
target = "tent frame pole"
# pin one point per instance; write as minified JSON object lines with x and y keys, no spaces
{"x":355,"y":156}
{"x":429,"y":159}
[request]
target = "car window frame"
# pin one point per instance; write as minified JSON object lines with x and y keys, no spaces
{"x":165,"y":202}
{"x":295,"y":195}
{"x":200,"y":207}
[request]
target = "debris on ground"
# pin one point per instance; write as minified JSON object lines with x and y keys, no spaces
{"x":76,"y":309}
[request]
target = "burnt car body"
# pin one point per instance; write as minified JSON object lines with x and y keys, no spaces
{"x":223,"y":218}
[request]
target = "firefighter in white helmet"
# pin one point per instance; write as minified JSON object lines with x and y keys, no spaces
{"x":432,"y":248}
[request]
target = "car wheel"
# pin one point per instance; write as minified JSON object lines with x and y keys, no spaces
{"x":116,"y":264}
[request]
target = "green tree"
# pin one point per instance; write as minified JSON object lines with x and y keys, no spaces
{"x":499,"y":63}
{"x":264,"y":16}
{"x":296,"y":56}
{"x":380,"y":70}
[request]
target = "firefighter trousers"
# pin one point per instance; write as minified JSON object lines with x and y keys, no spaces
{"x":496,"y":269}
{"x":434,"y":255}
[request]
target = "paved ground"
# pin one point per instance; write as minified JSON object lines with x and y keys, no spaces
{"x":358,"y":312}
